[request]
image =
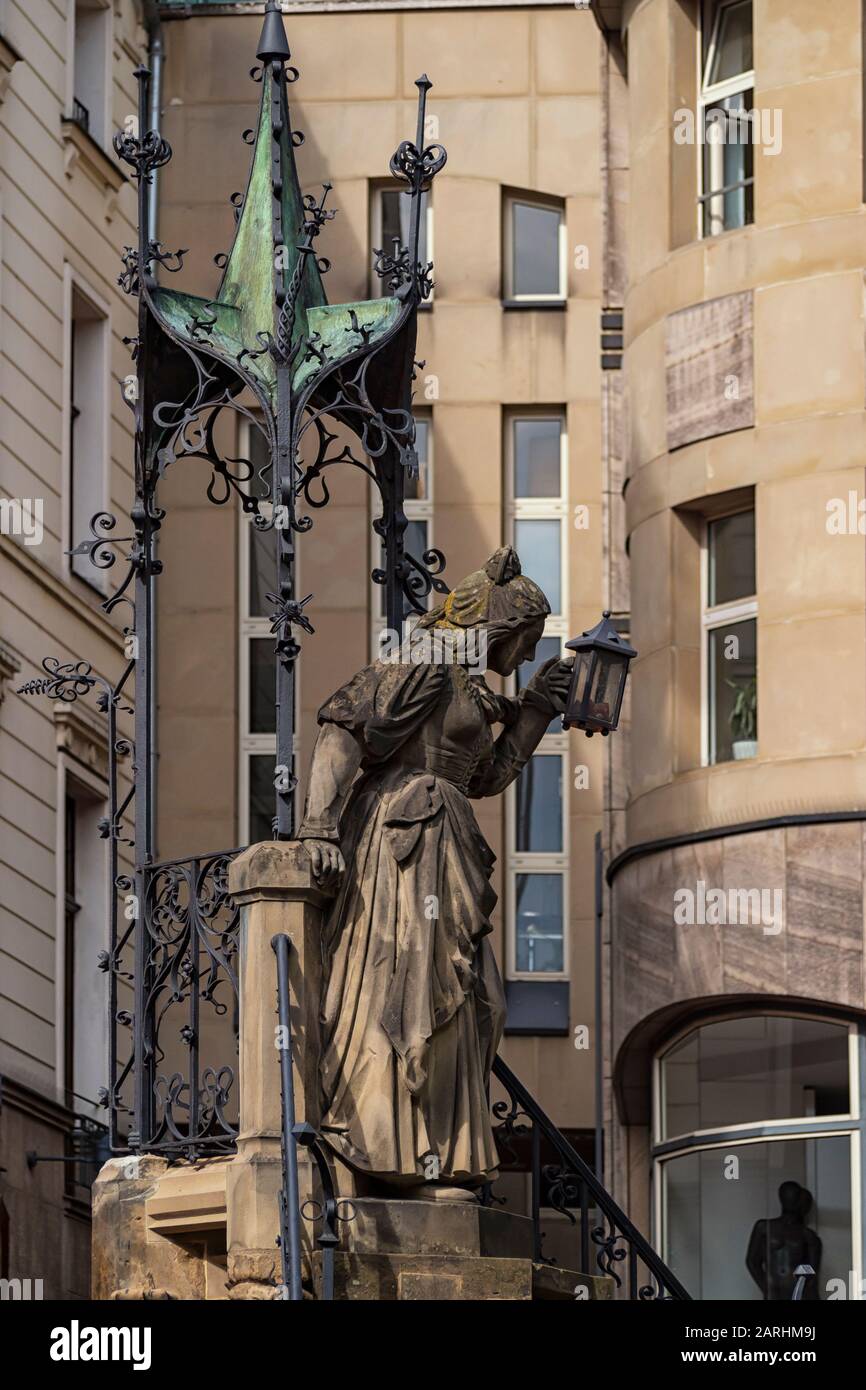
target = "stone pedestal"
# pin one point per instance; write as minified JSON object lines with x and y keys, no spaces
{"x":208,"y":1230}
{"x":415,"y":1251}
{"x":274,"y":886}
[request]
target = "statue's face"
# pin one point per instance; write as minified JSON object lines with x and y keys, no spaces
{"x":507,"y":652}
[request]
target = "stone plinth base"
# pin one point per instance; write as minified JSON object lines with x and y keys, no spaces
{"x":434,"y":1278}
{"x":159,"y":1232}
{"x":410,"y":1251}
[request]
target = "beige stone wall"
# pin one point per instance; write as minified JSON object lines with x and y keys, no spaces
{"x":66,"y":209}
{"x":799,"y":269}
{"x":516,"y":92}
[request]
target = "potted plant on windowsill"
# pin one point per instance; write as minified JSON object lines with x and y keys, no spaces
{"x":743,"y":718}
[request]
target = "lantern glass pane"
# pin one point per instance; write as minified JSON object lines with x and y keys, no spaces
{"x":579,"y":684}
{"x":607,"y":680}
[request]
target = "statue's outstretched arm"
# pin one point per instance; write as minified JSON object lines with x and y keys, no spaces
{"x":540,"y":699}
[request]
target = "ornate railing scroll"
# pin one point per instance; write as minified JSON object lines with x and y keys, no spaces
{"x":190,"y":1034}
{"x":608,"y":1242}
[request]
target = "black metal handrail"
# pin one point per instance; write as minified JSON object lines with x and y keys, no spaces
{"x":571,"y":1183}
{"x":328,"y":1210}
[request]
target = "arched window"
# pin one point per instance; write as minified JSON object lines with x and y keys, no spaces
{"x":756,"y":1157}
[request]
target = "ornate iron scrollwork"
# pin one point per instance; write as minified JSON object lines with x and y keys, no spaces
{"x":608,"y":1243}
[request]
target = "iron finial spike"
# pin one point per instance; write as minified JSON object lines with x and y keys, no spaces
{"x":423,"y":84}
{"x":273,"y":44}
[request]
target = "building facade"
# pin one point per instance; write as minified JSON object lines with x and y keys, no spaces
{"x":66,"y":209}
{"x":735,"y":1003}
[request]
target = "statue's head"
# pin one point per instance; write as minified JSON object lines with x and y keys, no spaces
{"x":506,"y":603}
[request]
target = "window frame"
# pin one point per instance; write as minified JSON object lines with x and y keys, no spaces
{"x":557,"y":743}
{"x":549,"y":204}
{"x":85,"y":787}
{"x":75,"y":284}
{"x":708,"y":95}
{"x":849,"y":1125}
{"x":712,"y":618}
{"x":101,"y":136}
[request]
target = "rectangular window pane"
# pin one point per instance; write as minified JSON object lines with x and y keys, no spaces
{"x":538,"y":806}
{"x":262,"y":570}
{"x":262,"y":689}
{"x":538,"y":543}
{"x":535,"y":250}
{"x":538,"y":923}
{"x":88,"y":379}
{"x":418,"y":489}
{"x":262,"y":797}
{"x":547,"y":648}
{"x":733,"y":50}
{"x":727,"y":163}
{"x":537,"y":458}
{"x":790,"y":1205}
{"x":746,"y":1071}
{"x":396,"y":215}
{"x":733,"y":688}
{"x":731,"y":556}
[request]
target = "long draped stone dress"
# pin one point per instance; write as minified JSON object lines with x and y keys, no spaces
{"x":413,"y":1004}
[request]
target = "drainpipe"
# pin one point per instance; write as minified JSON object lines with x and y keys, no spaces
{"x":155,"y":55}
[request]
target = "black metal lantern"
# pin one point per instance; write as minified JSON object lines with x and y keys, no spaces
{"x":601,"y":660}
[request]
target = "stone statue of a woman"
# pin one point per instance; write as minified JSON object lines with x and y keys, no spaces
{"x":413,"y":1005}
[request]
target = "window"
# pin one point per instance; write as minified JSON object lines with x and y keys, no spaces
{"x":91,"y":80}
{"x":418,"y":536}
{"x":771,"y":1101}
{"x":85,"y":914}
{"x":537,"y":803}
{"x":390,"y":220}
{"x":724,"y":118}
{"x":87,"y":414}
{"x":730,"y":639}
{"x":534,"y":249}
{"x":257,"y":666}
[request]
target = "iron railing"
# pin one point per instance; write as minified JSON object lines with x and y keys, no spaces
{"x":608,"y":1242}
{"x":80,"y":115}
{"x":174,"y":1013}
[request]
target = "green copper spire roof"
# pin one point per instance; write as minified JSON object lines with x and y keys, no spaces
{"x":272,"y":260}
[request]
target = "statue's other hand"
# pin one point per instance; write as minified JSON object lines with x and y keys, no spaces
{"x":559,"y":682}
{"x":327,"y":863}
{"x":553,"y":680}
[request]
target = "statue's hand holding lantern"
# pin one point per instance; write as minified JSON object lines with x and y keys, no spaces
{"x":600,"y":671}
